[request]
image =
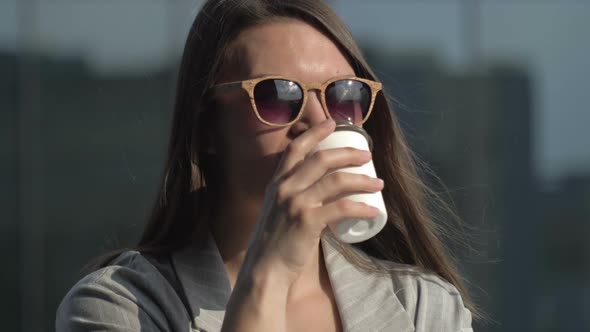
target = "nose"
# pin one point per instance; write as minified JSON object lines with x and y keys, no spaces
{"x":313,"y":111}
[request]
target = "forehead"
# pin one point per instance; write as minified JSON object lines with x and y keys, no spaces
{"x":290,"y":48}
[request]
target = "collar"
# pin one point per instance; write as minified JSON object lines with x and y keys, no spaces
{"x":365,"y":301}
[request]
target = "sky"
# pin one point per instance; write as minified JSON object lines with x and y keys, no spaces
{"x":550,"y":38}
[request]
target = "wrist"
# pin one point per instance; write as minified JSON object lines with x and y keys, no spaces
{"x":265,"y":280}
{"x":258,"y":300}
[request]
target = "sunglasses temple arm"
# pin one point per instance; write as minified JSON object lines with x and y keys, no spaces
{"x":220,"y":89}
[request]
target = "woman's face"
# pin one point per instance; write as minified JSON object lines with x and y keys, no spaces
{"x":288,"y":48}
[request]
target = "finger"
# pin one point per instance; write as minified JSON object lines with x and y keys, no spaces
{"x":338,"y":211}
{"x":302,"y":145}
{"x":320,"y":163}
{"x":329,"y":189}
{"x":337,"y":185}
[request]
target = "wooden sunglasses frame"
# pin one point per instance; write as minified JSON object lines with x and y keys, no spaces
{"x":249,"y":85}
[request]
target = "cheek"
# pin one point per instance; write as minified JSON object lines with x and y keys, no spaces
{"x":246,"y":137}
{"x":241,"y":120}
{"x":251,"y":122}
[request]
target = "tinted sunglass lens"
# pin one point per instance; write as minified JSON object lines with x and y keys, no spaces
{"x":278,"y":101}
{"x":348,"y":100}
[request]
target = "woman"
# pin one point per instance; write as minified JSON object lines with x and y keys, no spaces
{"x":237,"y":240}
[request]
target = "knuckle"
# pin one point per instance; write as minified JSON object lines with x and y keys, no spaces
{"x":306,"y":218}
{"x":282,"y":193}
{"x":339,"y":178}
{"x":298,"y":201}
{"x":294,"y":207}
{"x":292,"y":210}
{"x":321,"y":157}
{"x":345,"y":206}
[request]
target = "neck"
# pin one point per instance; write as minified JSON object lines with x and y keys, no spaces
{"x":238,"y":205}
{"x":232,"y":227}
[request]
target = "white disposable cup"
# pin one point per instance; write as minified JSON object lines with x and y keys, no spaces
{"x":356,"y":230}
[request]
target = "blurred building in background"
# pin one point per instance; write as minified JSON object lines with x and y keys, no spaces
{"x":81,"y":151}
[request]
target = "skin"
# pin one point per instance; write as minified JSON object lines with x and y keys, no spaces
{"x":276,"y":191}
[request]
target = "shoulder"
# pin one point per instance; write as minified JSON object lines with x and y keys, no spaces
{"x":129,"y":294}
{"x":432,"y":302}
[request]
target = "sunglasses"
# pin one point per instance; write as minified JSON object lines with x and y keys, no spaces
{"x":278,"y":101}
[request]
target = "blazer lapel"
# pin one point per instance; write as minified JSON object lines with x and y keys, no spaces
{"x":366,"y":302}
{"x":202,"y":274}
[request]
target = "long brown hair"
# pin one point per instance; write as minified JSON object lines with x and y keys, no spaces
{"x":411,"y":236}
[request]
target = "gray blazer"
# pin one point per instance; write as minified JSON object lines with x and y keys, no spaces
{"x":189,"y":292}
